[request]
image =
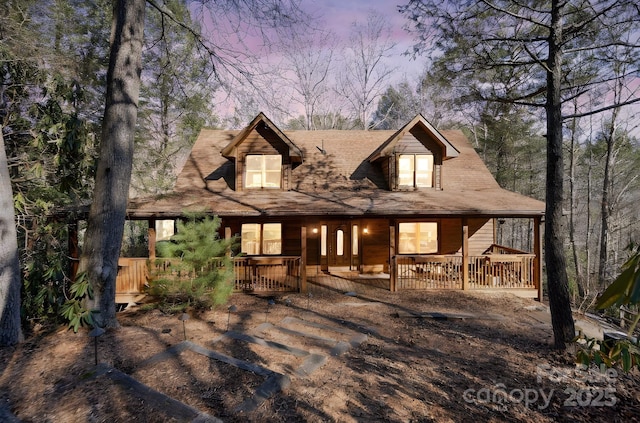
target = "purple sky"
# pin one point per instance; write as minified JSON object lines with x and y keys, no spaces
{"x":340,"y":14}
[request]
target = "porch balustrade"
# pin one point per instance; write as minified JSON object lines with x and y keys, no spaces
{"x":267,"y":274}
{"x":488,"y":271}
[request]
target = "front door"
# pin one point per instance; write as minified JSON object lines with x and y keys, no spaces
{"x":339,"y":244}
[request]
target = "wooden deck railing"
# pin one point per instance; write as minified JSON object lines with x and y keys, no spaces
{"x":432,"y":271}
{"x":265,"y":274}
{"x":499,"y":271}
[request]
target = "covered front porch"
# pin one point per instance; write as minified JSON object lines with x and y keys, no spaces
{"x":500,"y":268}
{"x":370,"y":247}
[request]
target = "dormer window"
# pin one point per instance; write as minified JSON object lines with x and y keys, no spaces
{"x":263,"y":171}
{"x":415,"y":170}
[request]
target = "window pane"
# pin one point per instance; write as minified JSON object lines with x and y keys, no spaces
{"x":339,"y":242}
{"x":407,"y":238}
{"x":428,"y":237}
{"x":405,"y":170}
{"x":272,"y":179}
{"x":272,"y":168}
{"x":272,"y":238}
{"x":250,"y":239}
{"x":253,"y":172}
{"x":424,"y":170}
{"x":272,"y":162}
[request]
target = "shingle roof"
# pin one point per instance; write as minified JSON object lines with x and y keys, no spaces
{"x":339,"y":182}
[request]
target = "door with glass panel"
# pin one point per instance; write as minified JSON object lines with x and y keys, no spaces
{"x":339,"y":244}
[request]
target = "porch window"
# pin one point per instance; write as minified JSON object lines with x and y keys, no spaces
{"x":418,"y":238}
{"x":261,"y":239}
{"x":415,"y":170}
{"x":263,"y":171}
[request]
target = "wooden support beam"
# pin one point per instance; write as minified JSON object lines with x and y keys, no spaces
{"x":537,"y":261}
{"x":303,"y":260}
{"x":465,"y":254}
{"x":393,"y":274}
{"x":227,"y":237}
{"x":152,"y":239}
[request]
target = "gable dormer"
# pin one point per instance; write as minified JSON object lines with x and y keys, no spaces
{"x":412,"y":158}
{"x":263,"y":155}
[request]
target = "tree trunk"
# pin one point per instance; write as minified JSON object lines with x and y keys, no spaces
{"x":572,"y":213}
{"x":557,"y":280}
{"x":10,"y":332}
{"x":107,"y":214}
{"x":605,"y":205}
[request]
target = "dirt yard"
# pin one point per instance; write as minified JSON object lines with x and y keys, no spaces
{"x":367,"y":356}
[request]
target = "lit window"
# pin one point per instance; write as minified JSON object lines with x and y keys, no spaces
{"x":263,"y":171}
{"x":354,"y":240}
{"x":323,"y":240}
{"x":259,"y":239}
{"x":340,"y":242}
{"x":415,"y":170}
{"x":418,"y":238}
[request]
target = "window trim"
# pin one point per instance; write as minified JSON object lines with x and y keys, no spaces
{"x":261,"y":240}
{"x":263,"y":171}
{"x":417,"y":239}
{"x":415,"y":184}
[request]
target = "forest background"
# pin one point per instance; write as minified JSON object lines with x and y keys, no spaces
{"x":308,"y":75}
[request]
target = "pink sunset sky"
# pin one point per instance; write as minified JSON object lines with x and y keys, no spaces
{"x":339,"y":15}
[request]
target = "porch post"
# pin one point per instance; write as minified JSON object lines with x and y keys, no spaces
{"x":303,"y":259}
{"x":393,"y":276}
{"x":227,"y":237}
{"x":465,"y":254}
{"x":537,"y":249}
{"x":152,"y":239}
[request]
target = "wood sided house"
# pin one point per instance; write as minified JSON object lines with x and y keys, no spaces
{"x":415,"y":207}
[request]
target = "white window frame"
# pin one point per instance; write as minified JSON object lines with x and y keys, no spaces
{"x":257,"y":177}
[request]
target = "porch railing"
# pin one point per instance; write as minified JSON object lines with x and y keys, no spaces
{"x":433,"y":271}
{"x":487,"y":271}
{"x":501,"y":271}
{"x":265,"y":274}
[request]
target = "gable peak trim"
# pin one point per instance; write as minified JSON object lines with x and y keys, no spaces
{"x":294,"y":152}
{"x":387,"y":147}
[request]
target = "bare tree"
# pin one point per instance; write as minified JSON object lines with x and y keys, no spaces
{"x":550,"y":40}
{"x":365,"y":74}
{"x":309,"y":57}
{"x":614,"y":139}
